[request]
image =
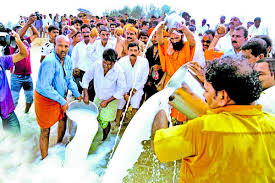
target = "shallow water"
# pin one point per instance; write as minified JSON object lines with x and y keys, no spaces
{"x":20,"y":158}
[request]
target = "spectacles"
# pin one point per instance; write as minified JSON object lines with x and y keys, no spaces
{"x":203,"y":41}
{"x":85,"y":32}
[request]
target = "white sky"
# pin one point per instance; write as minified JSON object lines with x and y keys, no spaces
{"x":198,"y":9}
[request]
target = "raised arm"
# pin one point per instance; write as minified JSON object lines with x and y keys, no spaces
{"x":23,"y":52}
{"x":24,"y":29}
{"x":160,"y":35}
{"x":189,"y":36}
{"x":73,"y":31}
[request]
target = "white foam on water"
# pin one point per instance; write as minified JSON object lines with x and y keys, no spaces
{"x":130,"y":147}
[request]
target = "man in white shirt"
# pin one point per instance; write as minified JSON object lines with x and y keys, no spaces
{"x":238,"y":38}
{"x":257,"y":28}
{"x":82,"y":59}
{"x":136,"y":70}
{"x":109,"y":84}
{"x":202,"y":28}
{"x":223,"y":42}
{"x":266,"y":69}
{"x":48,"y":46}
{"x":101,"y":44}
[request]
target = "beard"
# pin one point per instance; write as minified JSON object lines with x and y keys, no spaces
{"x":178,"y":45}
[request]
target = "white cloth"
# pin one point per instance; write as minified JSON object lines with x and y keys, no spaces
{"x":224,"y":43}
{"x":80,"y":56}
{"x":113,"y":84}
{"x":202,"y":29}
{"x":97,"y":49}
{"x":136,"y":77}
{"x":253,"y":31}
{"x":199,"y":54}
{"x":47,"y":48}
{"x":267,"y":100}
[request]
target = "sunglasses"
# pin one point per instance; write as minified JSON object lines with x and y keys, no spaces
{"x":208,"y":42}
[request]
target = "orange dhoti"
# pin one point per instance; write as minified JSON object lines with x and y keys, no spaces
{"x":47,"y":111}
{"x":171,"y":61}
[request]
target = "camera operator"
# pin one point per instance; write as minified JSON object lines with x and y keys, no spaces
{"x":9,"y":118}
{"x":38,"y":23}
{"x":21,"y":73}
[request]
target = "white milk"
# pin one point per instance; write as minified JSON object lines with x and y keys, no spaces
{"x":87,"y":126}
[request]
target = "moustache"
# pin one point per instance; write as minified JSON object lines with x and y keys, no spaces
{"x":133,"y":55}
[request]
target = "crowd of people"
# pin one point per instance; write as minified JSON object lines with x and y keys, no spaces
{"x":105,"y":60}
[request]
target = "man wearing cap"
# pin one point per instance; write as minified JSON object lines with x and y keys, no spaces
{"x":173,"y":53}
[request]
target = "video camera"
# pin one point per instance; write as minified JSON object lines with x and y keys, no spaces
{"x":6,"y":39}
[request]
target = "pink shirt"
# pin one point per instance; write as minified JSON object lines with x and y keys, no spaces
{"x":23,"y":66}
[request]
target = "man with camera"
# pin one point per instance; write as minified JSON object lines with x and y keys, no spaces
{"x":9,"y":118}
{"x":21,"y":73}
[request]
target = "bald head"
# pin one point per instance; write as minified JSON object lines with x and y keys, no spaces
{"x":62,"y":44}
{"x":65,"y":38}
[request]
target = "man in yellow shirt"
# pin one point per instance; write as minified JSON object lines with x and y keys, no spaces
{"x":233,"y":142}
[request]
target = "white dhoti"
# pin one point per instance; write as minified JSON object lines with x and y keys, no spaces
{"x":135,"y":100}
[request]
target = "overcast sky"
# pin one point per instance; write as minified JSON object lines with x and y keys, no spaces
{"x":211,"y":9}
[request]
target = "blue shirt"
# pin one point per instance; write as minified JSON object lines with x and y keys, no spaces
{"x":6,"y":102}
{"x":52,"y":83}
{"x":231,"y":52}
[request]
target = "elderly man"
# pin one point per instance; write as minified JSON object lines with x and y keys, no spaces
{"x":54,"y":79}
{"x":136,"y":70}
{"x":266,"y":69}
{"x":109,"y":83}
{"x":234,"y":141}
{"x":9,"y":118}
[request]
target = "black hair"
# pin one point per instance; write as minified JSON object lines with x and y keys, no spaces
{"x":52,"y":27}
{"x":237,"y":77}
{"x":144,"y":23}
{"x":15,"y":28}
{"x":77,"y":20}
{"x":143,"y":33}
{"x":257,"y":19}
{"x":133,"y":44}
{"x":266,"y":38}
{"x":257,"y":46}
{"x":123,"y":21}
{"x":113,"y":24}
{"x":210,"y":32}
{"x":271,"y":64}
{"x":131,"y":21}
{"x":85,"y":26}
{"x":99,"y":24}
{"x":110,"y":55}
{"x":104,"y":28}
{"x":244,"y":30}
